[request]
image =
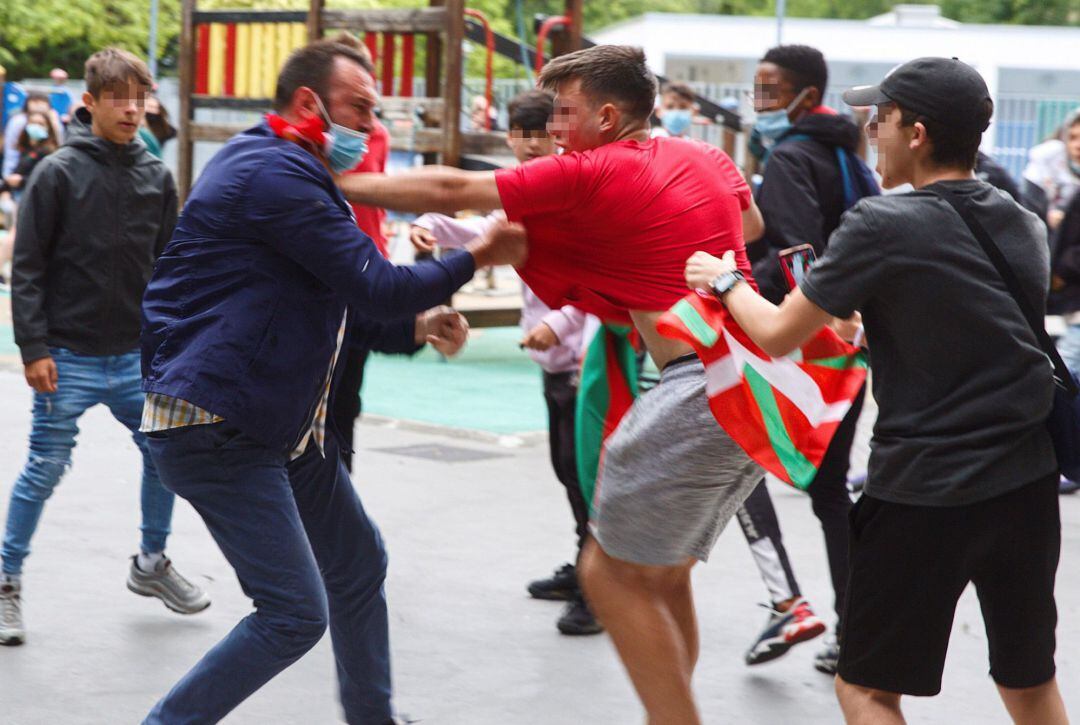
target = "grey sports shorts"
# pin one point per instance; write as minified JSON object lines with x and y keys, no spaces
{"x":670,"y":478}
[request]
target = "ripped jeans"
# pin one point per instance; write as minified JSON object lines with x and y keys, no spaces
{"x":83,"y":381}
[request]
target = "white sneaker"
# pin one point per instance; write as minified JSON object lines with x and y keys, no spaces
{"x":11,"y":624}
{"x":165,"y":583}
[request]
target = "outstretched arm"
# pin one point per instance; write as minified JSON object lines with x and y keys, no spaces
{"x":429,"y":188}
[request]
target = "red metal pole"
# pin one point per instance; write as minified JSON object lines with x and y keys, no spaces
{"x":541,"y":36}
{"x":489,"y":66}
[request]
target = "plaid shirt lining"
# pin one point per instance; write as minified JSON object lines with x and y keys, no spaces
{"x":163,"y":412}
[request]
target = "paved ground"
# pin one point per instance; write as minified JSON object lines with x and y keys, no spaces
{"x":469,"y":647}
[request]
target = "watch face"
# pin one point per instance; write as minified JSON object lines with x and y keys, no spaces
{"x":725,"y":282}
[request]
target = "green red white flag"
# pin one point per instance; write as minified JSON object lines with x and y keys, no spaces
{"x":606,"y":390}
{"x":782,"y":411}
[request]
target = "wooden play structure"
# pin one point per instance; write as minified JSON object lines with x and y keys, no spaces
{"x":230,"y":59}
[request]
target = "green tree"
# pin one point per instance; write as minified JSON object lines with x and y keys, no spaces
{"x":37,"y":36}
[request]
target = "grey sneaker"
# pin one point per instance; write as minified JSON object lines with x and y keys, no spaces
{"x":826,"y":659}
{"x":11,"y":624}
{"x":166,"y":584}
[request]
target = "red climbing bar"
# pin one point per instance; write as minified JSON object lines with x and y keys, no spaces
{"x":408,"y":62}
{"x":388,"y":63}
{"x":202,"y":60}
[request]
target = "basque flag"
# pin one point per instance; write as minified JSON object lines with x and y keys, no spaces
{"x":782,"y":411}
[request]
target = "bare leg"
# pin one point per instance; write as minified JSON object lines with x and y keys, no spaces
{"x":632,"y":602}
{"x":680,"y":600}
{"x":866,"y":706}
{"x":1040,"y":705}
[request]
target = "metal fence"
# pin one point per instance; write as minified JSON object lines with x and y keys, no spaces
{"x":1021,"y":122}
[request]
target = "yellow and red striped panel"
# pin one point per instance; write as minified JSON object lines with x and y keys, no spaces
{"x":241,"y":60}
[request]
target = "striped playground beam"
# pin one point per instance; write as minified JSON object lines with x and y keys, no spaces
{"x":242,"y":60}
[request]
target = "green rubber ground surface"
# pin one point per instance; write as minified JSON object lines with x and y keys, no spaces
{"x":491,"y":386}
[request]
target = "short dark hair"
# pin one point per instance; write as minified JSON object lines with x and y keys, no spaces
{"x":32,"y":96}
{"x":803,"y":66}
{"x":114,"y":67}
{"x":609,"y":72}
{"x":312,"y":66}
{"x":530,"y":111}
{"x":953,"y":147}
{"x":680,"y":89}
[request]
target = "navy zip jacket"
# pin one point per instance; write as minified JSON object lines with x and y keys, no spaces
{"x":242,"y":312}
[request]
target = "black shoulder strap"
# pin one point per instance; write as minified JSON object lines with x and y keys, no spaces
{"x":997,"y":258}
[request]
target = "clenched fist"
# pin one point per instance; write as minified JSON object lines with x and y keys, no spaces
{"x":444,"y":328}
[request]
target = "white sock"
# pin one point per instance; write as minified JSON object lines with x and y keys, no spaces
{"x":148,"y":562}
{"x":13,"y":578}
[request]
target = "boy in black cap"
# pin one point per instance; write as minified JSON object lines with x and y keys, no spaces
{"x":962,"y":485}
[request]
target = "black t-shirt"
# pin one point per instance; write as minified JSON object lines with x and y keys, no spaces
{"x":962,"y":386}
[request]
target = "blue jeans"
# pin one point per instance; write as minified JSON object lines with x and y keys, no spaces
{"x":1068,"y":346}
{"x":83,"y":381}
{"x":304,"y":551}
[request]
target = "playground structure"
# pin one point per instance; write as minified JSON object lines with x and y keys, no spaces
{"x":230,"y":60}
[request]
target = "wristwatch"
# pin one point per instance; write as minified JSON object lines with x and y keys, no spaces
{"x":723,"y":283}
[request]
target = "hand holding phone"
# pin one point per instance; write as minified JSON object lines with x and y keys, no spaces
{"x":796,"y":262}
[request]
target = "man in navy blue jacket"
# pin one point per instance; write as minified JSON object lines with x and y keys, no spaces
{"x":243,"y":324}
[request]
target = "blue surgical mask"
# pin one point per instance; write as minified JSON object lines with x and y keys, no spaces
{"x":345,"y":148}
{"x":1074,"y":167}
{"x":770,"y":126}
{"x":676,"y":121}
{"x":36,"y":132}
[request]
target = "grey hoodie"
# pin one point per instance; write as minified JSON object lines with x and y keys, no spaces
{"x":93,"y":219}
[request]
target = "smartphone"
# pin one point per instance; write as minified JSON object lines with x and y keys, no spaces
{"x":796,"y":262}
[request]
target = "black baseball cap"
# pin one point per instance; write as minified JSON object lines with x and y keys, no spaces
{"x":945,"y":90}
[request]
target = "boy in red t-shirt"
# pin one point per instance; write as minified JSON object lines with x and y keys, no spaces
{"x":610,"y":225}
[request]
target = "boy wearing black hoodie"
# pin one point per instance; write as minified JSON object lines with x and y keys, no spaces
{"x":94,"y":218}
{"x":803,"y":194}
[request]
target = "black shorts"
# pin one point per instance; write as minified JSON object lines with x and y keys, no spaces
{"x":909,"y":566}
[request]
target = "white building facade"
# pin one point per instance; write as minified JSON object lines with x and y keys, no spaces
{"x":1033,"y":72}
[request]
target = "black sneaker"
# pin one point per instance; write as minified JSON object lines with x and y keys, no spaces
{"x":1067,"y":487}
{"x":577,"y":618}
{"x":560,"y":587}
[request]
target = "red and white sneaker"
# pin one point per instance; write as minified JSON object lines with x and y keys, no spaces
{"x":783,"y":631}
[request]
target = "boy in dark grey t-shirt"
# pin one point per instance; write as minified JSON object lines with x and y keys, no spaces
{"x":962,"y":485}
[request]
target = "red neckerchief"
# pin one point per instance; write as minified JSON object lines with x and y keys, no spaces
{"x":309,"y":132}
